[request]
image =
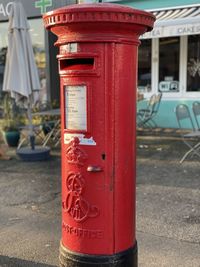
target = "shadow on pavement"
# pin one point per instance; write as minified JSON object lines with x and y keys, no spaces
{"x":14,"y":262}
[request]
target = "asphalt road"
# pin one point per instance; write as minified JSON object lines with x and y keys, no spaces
{"x":168,"y":209}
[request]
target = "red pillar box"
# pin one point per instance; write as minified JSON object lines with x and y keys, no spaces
{"x":98,"y":46}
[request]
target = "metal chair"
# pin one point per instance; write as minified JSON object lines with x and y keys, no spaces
{"x":36,"y":128}
{"x":24,"y":133}
{"x":191,"y":139}
{"x":54,"y":135}
{"x":196,"y":112}
{"x":156,"y":109}
{"x":145,"y":117}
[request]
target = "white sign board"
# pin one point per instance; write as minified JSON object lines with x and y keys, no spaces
{"x":172,"y":30}
{"x":76,"y":107}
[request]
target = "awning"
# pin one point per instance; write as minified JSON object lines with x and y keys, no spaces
{"x":175,"y":22}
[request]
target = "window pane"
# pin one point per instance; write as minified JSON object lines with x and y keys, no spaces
{"x":169,"y":64}
{"x":37,"y":37}
{"x":3,"y":50}
{"x":193,"y":70}
{"x":144,"y":66}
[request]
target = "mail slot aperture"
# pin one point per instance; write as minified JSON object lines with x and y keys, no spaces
{"x":77,"y":64}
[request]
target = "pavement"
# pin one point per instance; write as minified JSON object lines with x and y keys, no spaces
{"x":168,"y":207}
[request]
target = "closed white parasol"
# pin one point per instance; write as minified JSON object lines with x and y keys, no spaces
{"x":21,"y":77}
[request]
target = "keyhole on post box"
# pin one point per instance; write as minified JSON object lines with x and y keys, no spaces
{"x":103,"y":156}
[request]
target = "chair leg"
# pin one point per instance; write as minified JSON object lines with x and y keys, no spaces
{"x":192,"y":149}
{"x":21,"y":142}
{"x":58,"y":142}
{"x":53,"y":134}
{"x":153,"y":123}
{"x":47,"y":138}
{"x":144,"y":122}
{"x":3,"y":137}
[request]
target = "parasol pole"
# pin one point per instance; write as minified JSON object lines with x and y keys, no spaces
{"x":31,"y":132}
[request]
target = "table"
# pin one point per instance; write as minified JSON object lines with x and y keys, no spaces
{"x":50,"y":112}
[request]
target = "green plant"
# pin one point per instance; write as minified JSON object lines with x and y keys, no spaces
{"x":12,"y":118}
{"x":10,"y":127}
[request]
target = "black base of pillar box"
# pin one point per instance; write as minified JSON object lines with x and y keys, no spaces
{"x":126,"y":258}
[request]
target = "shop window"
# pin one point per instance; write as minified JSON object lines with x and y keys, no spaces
{"x":193,"y":63}
{"x":3,"y":50}
{"x":144,"y":66}
{"x":38,"y":42}
{"x":169,"y":49}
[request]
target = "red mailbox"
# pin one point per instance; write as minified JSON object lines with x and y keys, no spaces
{"x":98,"y":65}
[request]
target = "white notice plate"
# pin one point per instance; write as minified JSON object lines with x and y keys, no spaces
{"x":76,"y":107}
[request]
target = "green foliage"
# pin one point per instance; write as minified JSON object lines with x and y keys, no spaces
{"x":12,"y":118}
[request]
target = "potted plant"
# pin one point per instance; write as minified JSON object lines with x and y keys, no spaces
{"x":12,"y":135}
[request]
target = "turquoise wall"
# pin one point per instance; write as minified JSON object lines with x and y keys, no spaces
{"x":153,"y":4}
{"x":166,"y":117}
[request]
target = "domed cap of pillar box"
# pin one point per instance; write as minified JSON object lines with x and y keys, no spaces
{"x":97,"y":22}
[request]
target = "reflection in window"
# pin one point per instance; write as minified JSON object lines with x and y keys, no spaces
{"x":37,"y":37}
{"x":38,"y":42}
{"x":3,"y":50}
{"x":144,"y":66}
{"x":193,"y":65}
{"x":169,"y":64}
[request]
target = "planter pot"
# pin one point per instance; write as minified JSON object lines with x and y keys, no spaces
{"x":12,"y":138}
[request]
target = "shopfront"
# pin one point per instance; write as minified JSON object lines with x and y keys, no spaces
{"x":169,"y":60}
